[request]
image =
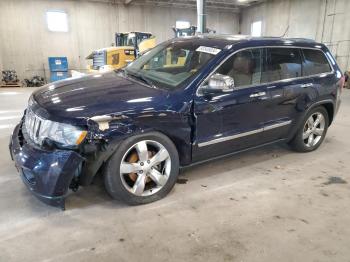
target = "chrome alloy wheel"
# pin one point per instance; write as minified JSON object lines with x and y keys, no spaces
{"x":145,"y":168}
{"x":314,"y":129}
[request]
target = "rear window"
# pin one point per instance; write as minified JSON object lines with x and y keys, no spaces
{"x":281,"y":63}
{"x":315,"y":62}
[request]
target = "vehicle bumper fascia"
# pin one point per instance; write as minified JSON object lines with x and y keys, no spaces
{"x":47,"y":174}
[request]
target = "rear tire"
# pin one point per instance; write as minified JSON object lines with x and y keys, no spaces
{"x":312,"y":131}
{"x":144,"y":169}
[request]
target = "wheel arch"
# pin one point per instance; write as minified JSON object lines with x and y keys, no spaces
{"x":330,"y":110}
{"x":327,"y":104}
{"x":96,"y":163}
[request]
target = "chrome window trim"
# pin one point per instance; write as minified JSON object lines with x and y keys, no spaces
{"x":256,"y":131}
{"x":268,"y":83}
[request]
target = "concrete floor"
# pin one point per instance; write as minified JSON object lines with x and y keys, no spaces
{"x":269,"y":204}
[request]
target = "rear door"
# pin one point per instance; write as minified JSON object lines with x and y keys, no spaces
{"x":287,"y":89}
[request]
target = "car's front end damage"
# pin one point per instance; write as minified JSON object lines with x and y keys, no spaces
{"x":53,"y":157}
{"x":72,"y":127}
{"x":47,"y":173}
{"x":48,"y":168}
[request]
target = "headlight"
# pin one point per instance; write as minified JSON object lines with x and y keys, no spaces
{"x":64,"y":134}
{"x":39,"y":129}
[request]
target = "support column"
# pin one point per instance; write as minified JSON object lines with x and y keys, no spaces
{"x":201,"y":16}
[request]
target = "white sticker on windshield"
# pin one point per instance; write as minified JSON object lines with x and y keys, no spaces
{"x":209,"y":50}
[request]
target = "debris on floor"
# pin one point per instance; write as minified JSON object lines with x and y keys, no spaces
{"x":181,"y":181}
{"x":323,"y":193}
{"x":304,"y":220}
{"x":335,"y":180}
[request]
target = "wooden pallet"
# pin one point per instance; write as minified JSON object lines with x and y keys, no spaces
{"x":10,"y":85}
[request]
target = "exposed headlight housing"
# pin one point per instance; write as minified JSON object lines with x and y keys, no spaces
{"x":65,"y":135}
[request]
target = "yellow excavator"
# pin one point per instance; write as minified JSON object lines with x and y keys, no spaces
{"x":128,"y":46}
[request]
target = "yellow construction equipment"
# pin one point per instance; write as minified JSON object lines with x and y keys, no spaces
{"x":128,"y":46}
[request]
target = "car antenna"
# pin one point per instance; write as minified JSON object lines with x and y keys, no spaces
{"x":285,"y":32}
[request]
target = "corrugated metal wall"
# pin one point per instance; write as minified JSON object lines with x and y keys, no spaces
{"x":323,"y":20}
{"x":25,"y":42}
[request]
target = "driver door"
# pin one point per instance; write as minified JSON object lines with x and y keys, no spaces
{"x":234,"y":120}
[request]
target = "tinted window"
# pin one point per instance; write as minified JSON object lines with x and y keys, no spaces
{"x":169,"y":65}
{"x":315,"y":62}
{"x":281,"y":63}
{"x":244,"y":67}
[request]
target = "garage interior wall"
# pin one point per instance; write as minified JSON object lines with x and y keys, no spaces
{"x":323,"y":20}
{"x":27,"y":43}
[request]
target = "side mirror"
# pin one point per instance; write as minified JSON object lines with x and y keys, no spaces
{"x":219,"y":83}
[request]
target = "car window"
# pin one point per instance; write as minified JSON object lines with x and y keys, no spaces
{"x":315,"y":62}
{"x":168,"y":58}
{"x":281,"y":63}
{"x":168,"y":65}
{"x":244,"y":67}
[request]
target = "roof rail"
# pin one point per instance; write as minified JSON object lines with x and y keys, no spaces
{"x":301,"y":39}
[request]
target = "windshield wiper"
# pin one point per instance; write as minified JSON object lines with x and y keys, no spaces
{"x":141,"y":77}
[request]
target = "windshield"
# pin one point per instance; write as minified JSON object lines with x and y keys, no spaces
{"x":168,"y":65}
{"x":126,"y":40}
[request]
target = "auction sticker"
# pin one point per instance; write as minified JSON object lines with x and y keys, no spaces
{"x":209,"y":50}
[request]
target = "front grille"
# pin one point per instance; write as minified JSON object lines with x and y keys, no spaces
{"x":33,"y":125}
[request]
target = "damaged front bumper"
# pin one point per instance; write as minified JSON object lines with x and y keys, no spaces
{"x":47,"y":174}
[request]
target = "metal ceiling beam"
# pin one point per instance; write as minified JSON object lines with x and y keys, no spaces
{"x":212,"y":4}
{"x":220,"y":5}
{"x":187,"y":5}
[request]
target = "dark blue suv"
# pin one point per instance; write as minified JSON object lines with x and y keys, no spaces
{"x":183,"y":102}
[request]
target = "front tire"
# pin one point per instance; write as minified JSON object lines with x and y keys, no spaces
{"x":144,"y":169}
{"x":312,"y":132}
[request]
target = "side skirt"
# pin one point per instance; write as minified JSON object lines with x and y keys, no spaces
{"x":231,"y":154}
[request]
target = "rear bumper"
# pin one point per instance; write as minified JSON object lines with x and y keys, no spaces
{"x":47,"y":174}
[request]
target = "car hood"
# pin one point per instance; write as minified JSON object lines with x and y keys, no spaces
{"x":96,"y":95}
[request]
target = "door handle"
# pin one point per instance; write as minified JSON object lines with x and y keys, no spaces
{"x":259,"y":94}
{"x":307,"y":85}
